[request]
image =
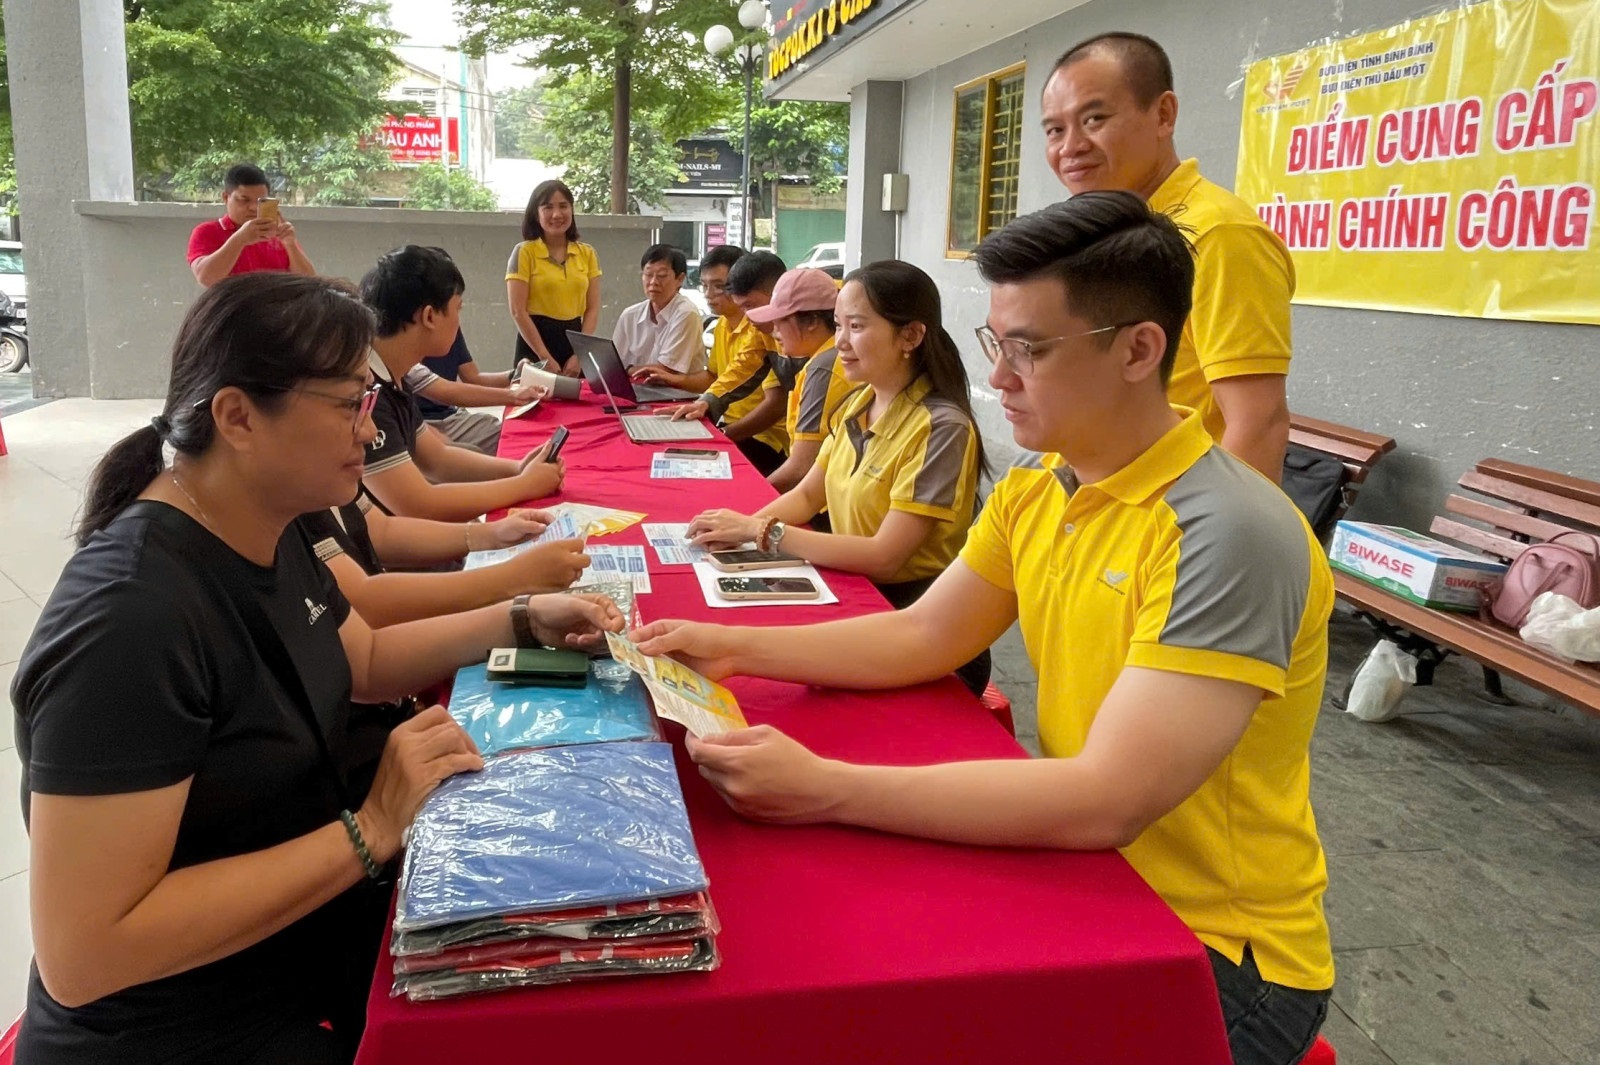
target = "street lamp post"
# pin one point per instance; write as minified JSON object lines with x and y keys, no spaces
{"x":718,"y":39}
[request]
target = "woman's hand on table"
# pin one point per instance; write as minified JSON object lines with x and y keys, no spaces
{"x":707,"y":649}
{"x":548,"y":567}
{"x":573,"y":368}
{"x":420,"y":754}
{"x":723,"y":528}
{"x":691,"y":412}
{"x":576,"y":621}
{"x":517,"y":526}
{"x":537,"y":455}
{"x":765,"y":775}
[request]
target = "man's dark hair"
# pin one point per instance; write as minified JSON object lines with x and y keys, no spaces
{"x":1119,"y":261}
{"x":757,"y":270}
{"x":244,"y":175}
{"x":1143,"y":62}
{"x":665,"y":253}
{"x":721,"y":255}
{"x":407,"y":280}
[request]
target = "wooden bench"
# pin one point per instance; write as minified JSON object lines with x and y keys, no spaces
{"x":1502,"y":508}
{"x":1358,"y":450}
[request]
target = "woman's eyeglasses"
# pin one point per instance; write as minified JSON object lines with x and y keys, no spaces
{"x":358,"y":406}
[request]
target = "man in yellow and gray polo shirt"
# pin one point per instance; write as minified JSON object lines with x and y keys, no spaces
{"x":1173,"y":601}
{"x":1109,"y":113}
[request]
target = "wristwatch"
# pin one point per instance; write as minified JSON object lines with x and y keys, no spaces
{"x":521,"y":624}
{"x":775,"y":535}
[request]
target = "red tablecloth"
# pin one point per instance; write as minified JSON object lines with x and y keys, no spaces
{"x":841,"y":945}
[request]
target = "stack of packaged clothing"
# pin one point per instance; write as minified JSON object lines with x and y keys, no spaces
{"x":548,"y":866}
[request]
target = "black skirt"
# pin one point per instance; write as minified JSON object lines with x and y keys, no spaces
{"x":553,"y":331}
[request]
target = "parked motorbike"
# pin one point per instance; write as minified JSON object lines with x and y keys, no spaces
{"x":13,"y":336}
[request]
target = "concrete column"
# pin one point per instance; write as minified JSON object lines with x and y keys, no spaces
{"x":69,"y":110}
{"x":869,"y":230}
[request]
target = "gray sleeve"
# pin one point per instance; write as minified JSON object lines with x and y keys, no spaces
{"x":944,"y":460}
{"x":1244,"y":563}
{"x":419,"y":379}
{"x":812,"y":414}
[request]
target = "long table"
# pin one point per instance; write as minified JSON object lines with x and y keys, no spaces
{"x":841,"y":945}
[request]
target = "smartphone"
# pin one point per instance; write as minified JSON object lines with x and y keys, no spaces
{"x":703,"y":453}
{"x":557,"y":440}
{"x":737,"y":561}
{"x":267,"y":210}
{"x":767,"y":588}
{"x":547,"y":666}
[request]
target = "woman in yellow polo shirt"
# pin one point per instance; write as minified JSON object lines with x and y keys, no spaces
{"x":552,"y":281}
{"x":899,"y":470}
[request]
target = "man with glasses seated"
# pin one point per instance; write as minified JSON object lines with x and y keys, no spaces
{"x":1173,"y":601}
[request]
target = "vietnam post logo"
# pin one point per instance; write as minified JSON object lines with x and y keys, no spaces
{"x":1283,"y":86}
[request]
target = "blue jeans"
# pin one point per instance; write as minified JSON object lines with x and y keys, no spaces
{"x":1268,"y":1024}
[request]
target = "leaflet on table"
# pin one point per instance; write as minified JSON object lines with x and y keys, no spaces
{"x":563,"y":527}
{"x":702,"y":706}
{"x":672,"y":544}
{"x":670,"y":467}
{"x":615,"y":563}
{"x":601,"y":521}
{"x":707,"y":575}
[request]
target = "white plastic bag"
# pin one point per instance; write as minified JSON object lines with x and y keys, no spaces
{"x":1559,"y":625}
{"x":1381,"y":682}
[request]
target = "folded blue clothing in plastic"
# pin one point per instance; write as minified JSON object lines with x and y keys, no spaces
{"x":501,"y":716}
{"x":550,"y":829}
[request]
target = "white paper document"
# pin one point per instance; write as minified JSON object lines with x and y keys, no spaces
{"x":670,"y":467}
{"x":613,"y":563}
{"x":672,"y":545}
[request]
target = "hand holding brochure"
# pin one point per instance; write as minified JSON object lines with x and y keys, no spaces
{"x":702,"y":706}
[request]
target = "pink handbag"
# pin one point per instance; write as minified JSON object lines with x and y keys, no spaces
{"x":1568,"y":563}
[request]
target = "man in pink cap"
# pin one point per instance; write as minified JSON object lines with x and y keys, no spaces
{"x":800,"y":315}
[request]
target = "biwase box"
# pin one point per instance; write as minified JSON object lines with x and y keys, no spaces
{"x":1413,"y":566}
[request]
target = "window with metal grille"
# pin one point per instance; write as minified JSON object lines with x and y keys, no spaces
{"x":985,"y":156}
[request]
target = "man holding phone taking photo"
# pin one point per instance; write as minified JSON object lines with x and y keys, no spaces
{"x":252,"y":236}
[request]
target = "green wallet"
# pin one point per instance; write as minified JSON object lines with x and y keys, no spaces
{"x":544,"y":666}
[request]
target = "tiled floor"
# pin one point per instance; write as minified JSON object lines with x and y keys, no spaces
{"x":1463,"y":840}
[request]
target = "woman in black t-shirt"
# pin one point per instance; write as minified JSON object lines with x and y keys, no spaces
{"x":200,"y":875}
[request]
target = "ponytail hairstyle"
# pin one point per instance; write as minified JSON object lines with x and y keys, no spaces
{"x":263,"y":333}
{"x":902,"y":294}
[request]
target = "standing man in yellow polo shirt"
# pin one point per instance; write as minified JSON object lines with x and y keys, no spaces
{"x":1109,"y":112}
{"x":1174,"y":603}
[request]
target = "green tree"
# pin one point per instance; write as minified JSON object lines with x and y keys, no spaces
{"x":581,"y":138}
{"x":519,"y":117}
{"x":240,"y":76}
{"x":793,"y":138}
{"x":330,"y":172}
{"x":8,"y":160}
{"x":433,"y":188}
{"x":645,"y":57}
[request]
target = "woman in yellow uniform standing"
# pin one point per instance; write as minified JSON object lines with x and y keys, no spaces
{"x":552,"y":281}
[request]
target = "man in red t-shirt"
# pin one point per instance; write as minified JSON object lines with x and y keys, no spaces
{"x":240,"y":242}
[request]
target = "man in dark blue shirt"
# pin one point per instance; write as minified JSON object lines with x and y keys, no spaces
{"x":445,"y":384}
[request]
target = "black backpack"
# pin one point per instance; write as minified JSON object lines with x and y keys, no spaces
{"x":1315,"y":481}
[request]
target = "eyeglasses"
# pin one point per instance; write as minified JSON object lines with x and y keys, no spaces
{"x":359,"y":407}
{"x":1020,"y":354}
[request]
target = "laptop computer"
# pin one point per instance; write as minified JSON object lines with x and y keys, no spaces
{"x":642,"y":428}
{"x":608,"y":364}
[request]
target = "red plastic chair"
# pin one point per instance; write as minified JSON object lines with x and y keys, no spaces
{"x":996,"y":703}
{"x":1321,"y":1053}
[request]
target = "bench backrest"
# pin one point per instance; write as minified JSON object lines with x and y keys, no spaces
{"x":1513,"y":505}
{"x":1358,"y":450}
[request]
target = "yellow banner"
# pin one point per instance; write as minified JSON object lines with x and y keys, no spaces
{"x":1445,"y":165}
